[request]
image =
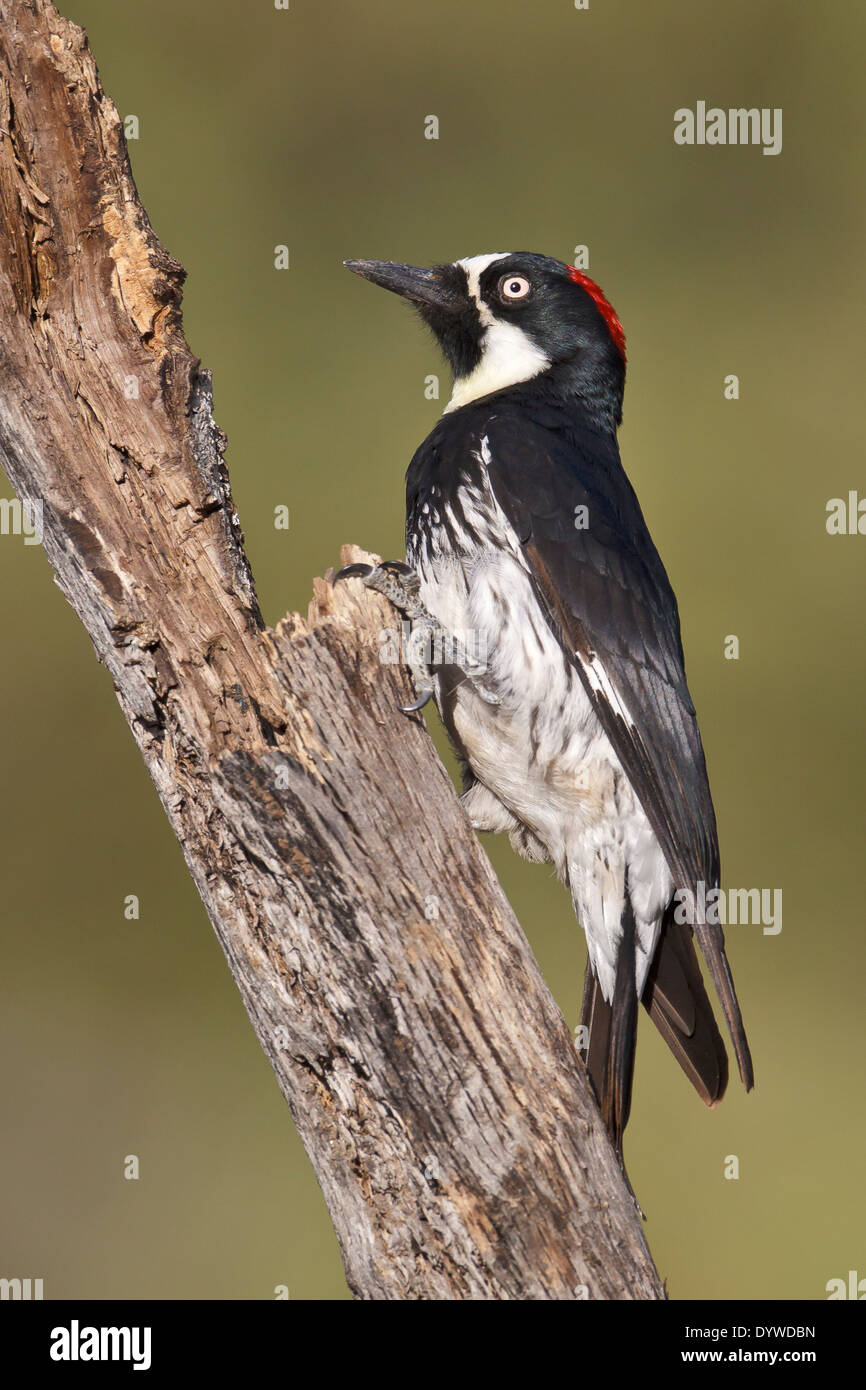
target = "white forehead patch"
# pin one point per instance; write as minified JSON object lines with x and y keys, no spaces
{"x":507,"y":354}
{"x":475,"y":267}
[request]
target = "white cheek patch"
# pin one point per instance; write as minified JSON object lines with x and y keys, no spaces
{"x":507,"y":357}
{"x":507,"y":354}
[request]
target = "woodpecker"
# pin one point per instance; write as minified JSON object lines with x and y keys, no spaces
{"x":576,"y":732}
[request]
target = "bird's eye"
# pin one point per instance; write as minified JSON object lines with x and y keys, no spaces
{"x":514,"y":287}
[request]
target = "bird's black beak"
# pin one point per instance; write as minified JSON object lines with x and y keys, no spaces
{"x":412,"y":282}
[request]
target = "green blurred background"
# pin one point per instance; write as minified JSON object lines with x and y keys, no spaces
{"x":261,"y":127}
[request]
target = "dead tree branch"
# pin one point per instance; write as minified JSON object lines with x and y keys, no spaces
{"x":427,"y":1068}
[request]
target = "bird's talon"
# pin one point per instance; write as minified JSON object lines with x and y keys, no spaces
{"x":396,"y":567}
{"x":416,"y":704}
{"x":357,"y":571}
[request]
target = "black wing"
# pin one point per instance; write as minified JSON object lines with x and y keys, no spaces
{"x":608,"y":599}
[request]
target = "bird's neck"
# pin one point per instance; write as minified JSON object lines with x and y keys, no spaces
{"x":566,"y":400}
{"x":588,"y":389}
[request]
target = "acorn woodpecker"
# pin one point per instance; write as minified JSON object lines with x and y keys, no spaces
{"x":564,"y":691}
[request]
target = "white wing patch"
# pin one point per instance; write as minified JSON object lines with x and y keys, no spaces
{"x":601,"y":685}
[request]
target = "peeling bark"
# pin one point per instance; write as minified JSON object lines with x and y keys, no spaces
{"x":430,"y":1075}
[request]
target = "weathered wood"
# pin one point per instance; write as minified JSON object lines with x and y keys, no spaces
{"x":430,"y":1075}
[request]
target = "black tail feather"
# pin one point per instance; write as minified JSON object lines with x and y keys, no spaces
{"x":613,"y":1034}
{"x":712,"y":943}
{"x":677,"y":1002}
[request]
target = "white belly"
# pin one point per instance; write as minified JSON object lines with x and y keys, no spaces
{"x":543,"y":754}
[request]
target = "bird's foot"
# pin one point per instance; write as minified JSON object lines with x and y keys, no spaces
{"x":396,"y":580}
{"x":428,"y":645}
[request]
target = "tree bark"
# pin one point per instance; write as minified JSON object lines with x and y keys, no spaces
{"x":430,"y":1075}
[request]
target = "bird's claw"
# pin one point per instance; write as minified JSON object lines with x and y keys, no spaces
{"x":418,"y":704}
{"x":352,"y":572}
{"x":400,"y":584}
{"x":397,"y":581}
{"x":396,"y":567}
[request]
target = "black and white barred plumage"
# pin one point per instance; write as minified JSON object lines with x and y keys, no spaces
{"x":541,"y":766}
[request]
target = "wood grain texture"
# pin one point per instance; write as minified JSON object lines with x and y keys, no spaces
{"x":430,"y":1075}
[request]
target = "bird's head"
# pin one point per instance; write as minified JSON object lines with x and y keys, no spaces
{"x":512,"y":317}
